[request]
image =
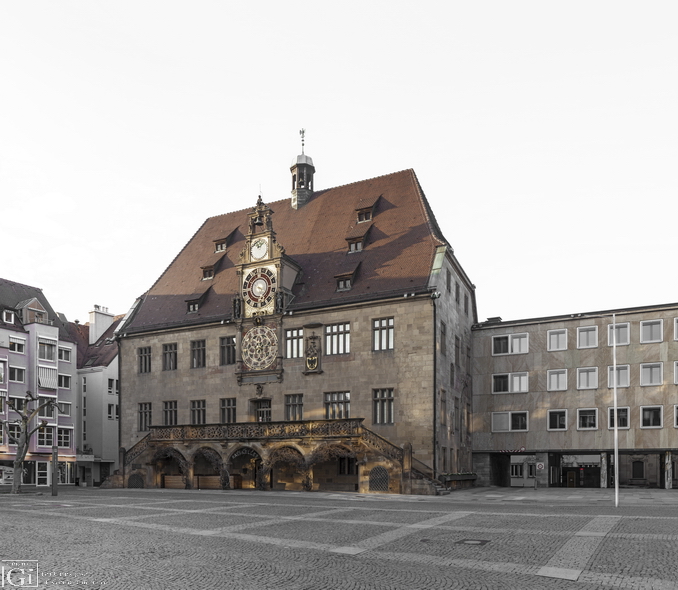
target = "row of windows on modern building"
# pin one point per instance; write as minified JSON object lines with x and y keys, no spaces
{"x":649,"y":332}
{"x":337,"y":339}
{"x":650,"y":375}
{"x":651,"y":416}
{"x":48,"y":349}
{"x":337,"y":405}
{"x":45,"y":438}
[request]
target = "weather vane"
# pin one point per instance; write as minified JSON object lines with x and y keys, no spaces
{"x":302,"y":133}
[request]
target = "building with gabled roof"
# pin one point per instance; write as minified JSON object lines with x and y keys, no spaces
{"x":321,"y":341}
{"x":37,"y":355}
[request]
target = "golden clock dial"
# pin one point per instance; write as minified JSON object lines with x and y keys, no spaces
{"x":259,"y":287}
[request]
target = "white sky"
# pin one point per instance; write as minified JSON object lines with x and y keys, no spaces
{"x":544,"y":134}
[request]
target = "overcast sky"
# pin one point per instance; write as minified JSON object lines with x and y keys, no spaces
{"x":544,"y":135}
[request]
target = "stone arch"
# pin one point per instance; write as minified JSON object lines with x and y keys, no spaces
{"x":329,"y":451}
{"x":215,"y":459}
{"x":245,"y":464}
{"x":182,"y":462}
{"x":285,"y":454}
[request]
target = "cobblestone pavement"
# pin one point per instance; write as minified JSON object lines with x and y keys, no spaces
{"x":483,"y":538}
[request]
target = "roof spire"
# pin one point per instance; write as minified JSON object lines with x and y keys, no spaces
{"x":303,"y":134}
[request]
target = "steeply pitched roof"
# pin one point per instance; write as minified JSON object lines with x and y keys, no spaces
{"x":99,"y":354}
{"x":397,"y":257}
{"x":15,"y":295}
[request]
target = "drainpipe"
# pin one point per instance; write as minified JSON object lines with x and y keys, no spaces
{"x":434,"y":296}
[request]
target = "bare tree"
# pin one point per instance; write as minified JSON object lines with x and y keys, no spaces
{"x":22,"y":438}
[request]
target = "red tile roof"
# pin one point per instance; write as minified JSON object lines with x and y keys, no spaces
{"x":397,"y":258}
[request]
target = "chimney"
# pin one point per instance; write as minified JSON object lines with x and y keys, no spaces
{"x":99,"y":321}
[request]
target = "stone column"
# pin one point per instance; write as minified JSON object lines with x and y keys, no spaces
{"x":668,"y":470}
{"x":603,"y":470}
{"x":406,"y":481}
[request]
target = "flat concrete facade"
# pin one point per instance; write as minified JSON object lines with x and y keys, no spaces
{"x":543,"y":399}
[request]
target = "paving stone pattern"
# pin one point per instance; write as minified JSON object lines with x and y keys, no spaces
{"x":246,"y":540}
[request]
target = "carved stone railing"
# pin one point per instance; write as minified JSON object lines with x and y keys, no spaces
{"x":383,"y":446}
{"x":137,"y":449}
{"x":317,"y":429}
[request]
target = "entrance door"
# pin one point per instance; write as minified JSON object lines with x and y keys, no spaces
{"x":43,"y":473}
{"x":571,"y":479}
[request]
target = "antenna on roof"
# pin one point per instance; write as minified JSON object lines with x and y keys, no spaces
{"x":302,"y":133}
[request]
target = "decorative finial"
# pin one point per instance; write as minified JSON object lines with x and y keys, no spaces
{"x":302,"y":133}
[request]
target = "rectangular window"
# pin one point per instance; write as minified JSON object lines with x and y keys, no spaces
{"x":587,"y":419}
{"x":64,"y":438}
{"x":111,"y":411}
{"x":675,"y":417}
{"x":557,"y":340}
{"x":457,"y":292}
{"x":294,"y":407}
{"x":557,"y":420}
{"x":587,"y":378}
{"x":347,"y":466}
{"x":622,"y":414}
{"x":510,"y":383}
{"x":382,"y":406}
{"x":144,"y":359}
{"x":169,"y":413}
{"x":64,"y":408}
{"x":144,"y":416}
{"x":587,"y":337}
{"x":466,"y":304}
{"x":443,"y":338}
{"x":17,"y":344}
{"x":198,"y":354}
{"x":509,"y":421}
{"x":338,"y":339}
{"x":511,"y":344}
{"x":46,"y":350}
{"x":651,"y":416}
{"x":227,"y":406}
{"x":556,"y":380}
{"x":14,"y":433}
{"x":198,"y":411}
{"x":64,"y":381}
{"x":19,"y":403}
{"x":65,"y":354}
{"x":623,"y":373}
{"x":337,"y":405}
{"x":262,"y":409}
{"x":46,"y":407}
{"x":516,"y":470}
{"x":382,"y":332}
{"x":457,"y":351}
{"x":449,"y":281}
{"x":8,"y":316}
{"x":169,"y":357}
{"x":294,"y":343}
{"x":46,"y":437}
{"x":651,"y":331}
{"x":651,"y":374}
{"x":17,"y":374}
{"x":227,"y":350}
{"x":675,"y":372}
{"x":620,"y":332}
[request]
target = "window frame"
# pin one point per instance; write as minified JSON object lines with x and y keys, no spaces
{"x":610,"y":371}
{"x":294,"y":343}
{"x":198,"y":354}
{"x":586,"y":330}
{"x":16,"y":369}
{"x":45,"y":437}
{"x":337,"y":405}
{"x":170,"y":356}
{"x":643,"y":366}
{"x":383,"y":334}
{"x":510,"y":421}
{"x":62,"y":434}
{"x":8,"y":316}
{"x":587,"y":370}
{"x":48,"y":348}
{"x":548,"y":420}
{"x":170,"y":413}
{"x":228,"y":408}
{"x":337,"y":338}
{"x":579,"y":417}
{"x":227,"y":351}
{"x":610,"y":328}
{"x":144,"y":359}
{"x":383,"y":406}
{"x":557,"y":332}
{"x":556,"y":372}
{"x":661,"y":416}
{"x":64,"y":354}
{"x":643,"y":323}
{"x":64,"y":381}
{"x":511,"y":377}
{"x":198,"y":412}
{"x":294,"y":407}
{"x":144,"y":416}
{"x":17,"y":345}
{"x":610,"y":415}
{"x":510,"y":343}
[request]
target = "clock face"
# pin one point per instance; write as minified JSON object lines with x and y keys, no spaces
{"x":259,"y":288}
{"x":259,"y":347}
{"x":259,"y":248}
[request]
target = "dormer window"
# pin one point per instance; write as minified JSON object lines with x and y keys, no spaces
{"x":8,"y":317}
{"x":220,"y":245}
{"x":207,"y":273}
{"x":364,"y":215}
{"x":193,"y":306}
{"x":355,"y":246}
{"x":344,"y":284}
